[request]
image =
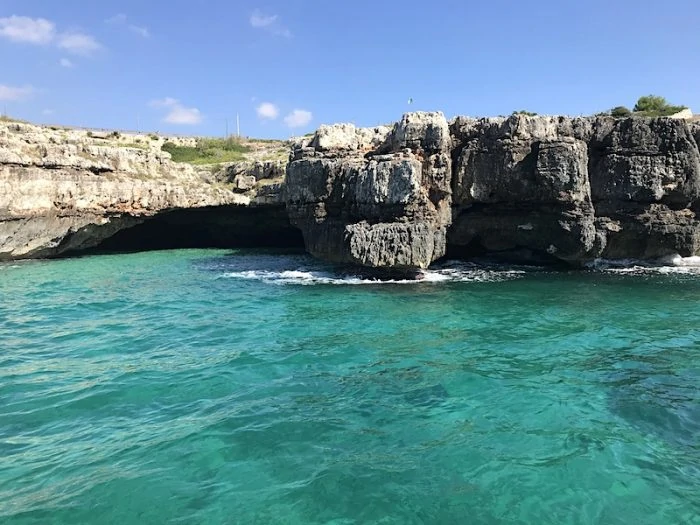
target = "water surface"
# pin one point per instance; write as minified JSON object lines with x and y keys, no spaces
{"x":211,"y":386}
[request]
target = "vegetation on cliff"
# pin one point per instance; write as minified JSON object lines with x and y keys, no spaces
{"x":208,"y":151}
{"x":648,"y":106}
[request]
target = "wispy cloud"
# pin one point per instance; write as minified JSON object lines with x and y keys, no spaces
{"x":27,"y":30}
{"x":15,"y":93}
{"x":270,"y":23}
{"x":64,"y":62}
{"x":48,"y":112}
{"x":78,"y":43}
{"x":298,"y":118}
{"x":39,"y":31}
{"x":122,"y":20}
{"x":258,"y":19}
{"x":177,"y":113}
{"x":267,"y":111}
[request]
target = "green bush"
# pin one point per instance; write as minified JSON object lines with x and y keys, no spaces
{"x":525,"y":112}
{"x":620,"y":112}
{"x":655,"y":106}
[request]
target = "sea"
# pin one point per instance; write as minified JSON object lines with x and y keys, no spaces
{"x":256,"y":387}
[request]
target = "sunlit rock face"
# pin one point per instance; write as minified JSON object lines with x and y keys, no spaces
{"x":378,"y":198}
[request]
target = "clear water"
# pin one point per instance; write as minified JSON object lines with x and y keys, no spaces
{"x":217,"y":387}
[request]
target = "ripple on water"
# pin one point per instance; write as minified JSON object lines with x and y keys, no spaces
{"x":179,"y":387}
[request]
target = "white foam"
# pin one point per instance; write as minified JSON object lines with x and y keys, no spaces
{"x":673,"y":264}
{"x":459,"y":272}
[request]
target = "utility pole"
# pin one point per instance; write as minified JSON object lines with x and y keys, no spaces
{"x":238,"y":126}
{"x":226,"y":136}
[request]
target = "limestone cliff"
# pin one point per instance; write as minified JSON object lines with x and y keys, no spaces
{"x":379,"y":199}
{"x":576,"y":188}
{"x":522,"y":188}
{"x":63,"y":190}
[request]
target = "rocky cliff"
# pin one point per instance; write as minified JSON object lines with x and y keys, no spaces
{"x":528,"y":189}
{"x":64,"y":190}
{"x":380,"y":199}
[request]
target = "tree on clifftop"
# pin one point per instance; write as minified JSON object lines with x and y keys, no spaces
{"x":655,"y":106}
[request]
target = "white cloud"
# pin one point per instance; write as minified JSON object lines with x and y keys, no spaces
{"x":66,"y":63}
{"x":78,"y":43}
{"x":177,"y":113}
{"x":48,"y":112}
{"x":122,"y":20}
{"x":40,"y":31}
{"x":15,"y":93}
{"x":182,"y":115}
{"x":258,"y":19}
{"x":267,"y":111}
{"x":269,"y":23}
{"x":298,"y":118}
{"x":27,"y":30}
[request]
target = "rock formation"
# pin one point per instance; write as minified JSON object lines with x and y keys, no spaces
{"x":378,"y":198}
{"x":64,"y":190}
{"x":522,"y":188}
{"x":575,"y":189}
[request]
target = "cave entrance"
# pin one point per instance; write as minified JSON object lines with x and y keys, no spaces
{"x":211,"y":227}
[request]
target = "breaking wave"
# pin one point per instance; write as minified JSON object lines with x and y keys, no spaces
{"x":674,"y":264}
{"x":302,"y":270}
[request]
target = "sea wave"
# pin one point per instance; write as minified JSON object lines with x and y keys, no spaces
{"x":308,"y":275}
{"x":673,"y":264}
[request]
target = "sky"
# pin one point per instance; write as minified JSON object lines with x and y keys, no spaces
{"x":287,"y":66}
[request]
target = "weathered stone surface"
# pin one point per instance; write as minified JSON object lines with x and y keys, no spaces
{"x":524,"y":188}
{"x":574,"y":188}
{"x":59,"y":191}
{"x":387,"y":210}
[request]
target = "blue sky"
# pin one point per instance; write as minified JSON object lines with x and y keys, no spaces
{"x":287,"y":66}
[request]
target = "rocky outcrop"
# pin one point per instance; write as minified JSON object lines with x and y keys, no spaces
{"x":65,"y":190}
{"x":522,"y":188}
{"x":575,"y":189}
{"x":379,"y":198}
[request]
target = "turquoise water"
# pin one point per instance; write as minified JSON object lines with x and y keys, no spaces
{"x":242,"y":387}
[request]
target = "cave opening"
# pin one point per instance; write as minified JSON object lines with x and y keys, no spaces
{"x":209,"y":227}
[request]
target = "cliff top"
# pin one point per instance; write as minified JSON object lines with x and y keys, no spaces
{"x":192,"y":150}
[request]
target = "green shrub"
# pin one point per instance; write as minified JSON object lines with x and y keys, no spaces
{"x":525,"y":112}
{"x":620,"y":112}
{"x":153,"y":136}
{"x":89,"y":134}
{"x":655,"y":106}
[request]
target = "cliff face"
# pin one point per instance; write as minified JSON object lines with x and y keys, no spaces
{"x":576,"y":189}
{"x":531,"y":189}
{"x":378,"y":199}
{"x":523,"y":188}
{"x":64,"y":190}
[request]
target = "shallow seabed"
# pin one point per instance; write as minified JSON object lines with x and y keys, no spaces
{"x":211,"y":386}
